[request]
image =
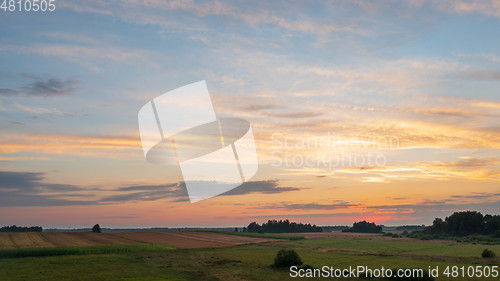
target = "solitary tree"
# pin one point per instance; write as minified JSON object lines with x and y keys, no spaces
{"x":96,"y":228}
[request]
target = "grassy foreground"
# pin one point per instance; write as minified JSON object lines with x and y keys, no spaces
{"x":249,"y":262}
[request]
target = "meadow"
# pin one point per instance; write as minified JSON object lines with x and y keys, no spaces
{"x":250,"y":259}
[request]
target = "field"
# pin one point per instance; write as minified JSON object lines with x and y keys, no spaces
{"x":181,"y":240}
{"x":216,"y":255}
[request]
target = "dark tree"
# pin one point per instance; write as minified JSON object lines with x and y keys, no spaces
{"x":465,"y":223}
{"x":287,"y":258}
{"x":96,"y":229}
{"x":492,"y":224}
{"x":438,"y":226}
{"x":364,"y":227}
{"x":253,"y":227}
{"x":283,"y":226}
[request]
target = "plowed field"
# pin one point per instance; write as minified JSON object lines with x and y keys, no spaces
{"x":181,"y":239}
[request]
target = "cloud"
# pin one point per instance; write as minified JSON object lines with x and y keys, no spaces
{"x":264,"y":14}
{"x":29,"y":189}
{"x":265,"y":187}
{"x":472,"y":162}
{"x":479,"y":75}
{"x":83,"y":55}
{"x":51,"y":87}
{"x":15,"y":180}
{"x":477,"y":195}
{"x":24,"y":158}
{"x":39,"y":110}
{"x":429,"y":209}
{"x":6,"y":92}
{"x":297,"y":114}
{"x":43,"y":88}
{"x":258,"y":106}
{"x":98,"y":146}
{"x":418,"y":213}
{"x":311,"y":206}
{"x":30,"y":181}
{"x":144,"y":196}
{"x":448,"y":111}
{"x":176,"y":191}
{"x":470,"y":168}
{"x":484,"y":7}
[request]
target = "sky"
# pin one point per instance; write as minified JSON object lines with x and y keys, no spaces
{"x":387,"y":111}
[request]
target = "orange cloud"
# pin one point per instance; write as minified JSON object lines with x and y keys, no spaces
{"x":95,"y":146}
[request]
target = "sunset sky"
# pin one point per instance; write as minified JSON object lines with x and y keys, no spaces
{"x":325,"y":86}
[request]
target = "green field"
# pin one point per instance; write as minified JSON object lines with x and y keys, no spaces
{"x":247,"y":262}
{"x":258,"y":235}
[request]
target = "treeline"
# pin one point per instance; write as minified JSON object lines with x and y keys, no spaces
{"x":465,"y":223}
{"x":364,"y":227}
{"x":410,"y":227}
{"x":331,"y":228}
{"x":15,"y":228}
{"x":281,"y":226}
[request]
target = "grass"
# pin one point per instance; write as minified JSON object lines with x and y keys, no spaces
{"x":248,"y":262}
{"x":476,"y":238}
{"x":79,"y":250}
{"x":396,"y":246}
{"x":258,"y":235}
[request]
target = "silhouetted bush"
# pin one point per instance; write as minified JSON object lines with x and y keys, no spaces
{"x":287,"y":258}
{"x":96,"y":229}
{"x":488,"y":254}
{"x":364,"y":227}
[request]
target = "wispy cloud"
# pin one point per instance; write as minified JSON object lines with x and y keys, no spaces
{"x":97,"y":146}
{"x":20,"y":158}
{"x":142,"y":193}
{"x":484,"y":7}
{"x":470,"y":168}
{"x":264,"y":187}
{"x":87,"y":56}
{"x":265,"y":14}
{"x":311,"y":206}
{"x":44,"y":88}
